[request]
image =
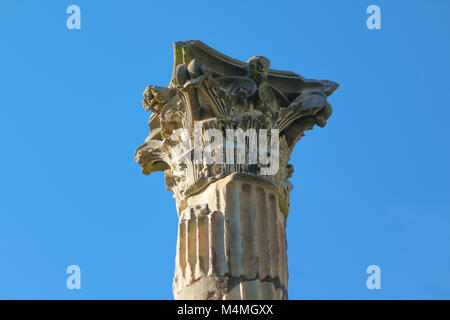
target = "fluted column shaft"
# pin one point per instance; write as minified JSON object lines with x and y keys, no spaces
{"x":232,"y":242}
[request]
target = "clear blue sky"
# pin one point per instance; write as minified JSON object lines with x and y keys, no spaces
{"x":370,"y":188}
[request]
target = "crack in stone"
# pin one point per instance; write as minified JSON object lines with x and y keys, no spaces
{"x":232,"y":282}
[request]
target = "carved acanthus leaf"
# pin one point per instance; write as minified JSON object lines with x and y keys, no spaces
{"x":219,"y":92}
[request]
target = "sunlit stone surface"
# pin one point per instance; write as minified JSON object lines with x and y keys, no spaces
{"x":232,"y":218}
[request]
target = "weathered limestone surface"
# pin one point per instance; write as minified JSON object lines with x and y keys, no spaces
{"x":232,"y":237}
{"x":232,"y":216}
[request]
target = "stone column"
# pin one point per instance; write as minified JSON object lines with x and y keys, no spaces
{"x":232,"y":209}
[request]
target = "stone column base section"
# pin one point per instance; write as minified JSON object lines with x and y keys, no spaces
{"x":232,"y":242}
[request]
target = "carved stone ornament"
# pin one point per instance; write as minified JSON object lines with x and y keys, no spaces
{"x":232,"y":214}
